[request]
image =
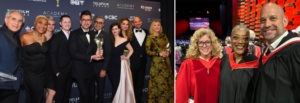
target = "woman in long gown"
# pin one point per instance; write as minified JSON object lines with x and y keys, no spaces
{"x":126,"y":31}
{"x":237,"y":69}
{"x":198,"y":77}
{"x":35,"y":48}
{"x":50,"y":77}
{"x":119,"y":72}
{"x":161,"y":81}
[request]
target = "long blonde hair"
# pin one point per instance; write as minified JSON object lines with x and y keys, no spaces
{"x":193,"y":51}
{"x":152,"y":25}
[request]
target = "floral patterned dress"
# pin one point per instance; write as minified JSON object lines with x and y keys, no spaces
{"x":161,"y":83}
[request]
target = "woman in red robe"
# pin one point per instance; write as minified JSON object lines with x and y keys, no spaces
{"x":198,"y":77}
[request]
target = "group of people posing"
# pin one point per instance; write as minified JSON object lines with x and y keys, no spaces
{"x":42,"y":59}
{"x":242,"y":76}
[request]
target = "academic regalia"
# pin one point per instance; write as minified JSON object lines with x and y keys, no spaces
{"x":278,"y":77}
{"x":198,"y":79}
{"x":236,"y":83}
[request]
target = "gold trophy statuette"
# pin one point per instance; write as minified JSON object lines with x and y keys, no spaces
{"x":57,"y":3}
{"x":167,"y":49}
{"x":99,"y":45}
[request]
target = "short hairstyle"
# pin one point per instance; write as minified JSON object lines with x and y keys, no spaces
{"x":99,"y":16}
{"x":152,"y":25}
{"x":63,"y":16}
{"x":41,"y":16}
{"x":50,"y":18}
{"x":129,"y":30}
{"x":239,"y":26}
{"x":228,"y":39}
{"x":252,"y":37}
{"x":11,"y":11}
{"x":193,"y":51}
{"x":86,"y":12}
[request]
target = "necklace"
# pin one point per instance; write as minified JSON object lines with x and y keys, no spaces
{"x":37,"y":38}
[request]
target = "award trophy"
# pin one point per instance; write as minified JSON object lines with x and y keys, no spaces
{"x":99,"y":42}
{"x":167,"y":49}
{"x":57,"y":3}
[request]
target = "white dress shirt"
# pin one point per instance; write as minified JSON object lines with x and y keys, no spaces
{"x":87,"y":35}
{"x":66,"y":34}
{"x":140,"y":36}
{"x":273,"y":46}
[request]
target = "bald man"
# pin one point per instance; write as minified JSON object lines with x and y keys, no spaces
{"x":253,"y":48}
{"x":278,"y":77}
{"x":138,"y":59}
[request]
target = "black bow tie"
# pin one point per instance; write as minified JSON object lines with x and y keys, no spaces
{"x":86,"y":33}
{"x":96,"y":32}
{"x":138,"y":30}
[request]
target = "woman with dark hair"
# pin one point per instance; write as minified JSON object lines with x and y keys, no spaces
{"x":119,"y":71}
{"x":126,"y":32}
{"x":34,"y":63}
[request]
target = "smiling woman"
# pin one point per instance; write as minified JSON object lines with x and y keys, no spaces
{"x":35,"y":48}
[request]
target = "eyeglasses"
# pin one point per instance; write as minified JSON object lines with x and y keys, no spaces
{"x":86,"y":20}
{"x":98,"y":22}
{"x":201,"y":43}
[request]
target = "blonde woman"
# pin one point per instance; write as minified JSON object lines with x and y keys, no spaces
{"x":161,"y":82}
{"x":198,"y":77}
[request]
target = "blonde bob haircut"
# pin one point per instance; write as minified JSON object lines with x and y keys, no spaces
{"x":194,"y":52}
{"x":152,"y":26}
{"x":51,"y":18}
{"x":41,"y":16}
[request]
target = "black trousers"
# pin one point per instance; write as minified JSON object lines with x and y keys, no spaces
{"x":138,"y":77}
{"x":84,"y":86}
{"x":63,"y":86}
{"x":11,"y":98}
{"x":114,"y":77}
{"x":100,"y":87}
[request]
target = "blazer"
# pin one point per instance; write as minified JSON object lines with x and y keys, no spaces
{"x":59,"y":53}
{"x":103,"y":64}
{"x":139,"y":53}
{"x":81,"y":51}
{"x":10,"y":60}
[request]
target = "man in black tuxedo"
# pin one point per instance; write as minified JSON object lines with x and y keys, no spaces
{"x":83,"y":49}
{"x":10,"y":56}
{"x":138,"y":59}
{"x":100,"y":67}
{"x":61,"y":60}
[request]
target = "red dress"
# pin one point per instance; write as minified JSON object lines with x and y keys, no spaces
{"x":199,"y":79}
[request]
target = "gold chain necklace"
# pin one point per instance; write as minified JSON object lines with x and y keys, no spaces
{"x":37,"y":38}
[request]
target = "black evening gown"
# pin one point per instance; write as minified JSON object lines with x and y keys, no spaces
{"x":114,"y":71}
{"x":236,"y":80}
{"x":50,"y":76}
{"x":34,"y":63}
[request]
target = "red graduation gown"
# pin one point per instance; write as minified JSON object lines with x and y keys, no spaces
{"x":199,"y":79}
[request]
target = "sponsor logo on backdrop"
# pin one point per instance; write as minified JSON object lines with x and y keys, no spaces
{"x":146,"y":76}
{"x":74,"y":100}
{"x":111,"y":17}
{"x":100,"y":4}
{"x":125,"y":6}
{"x":93,"y":15}
{"x":107,"y":95}
{"x":76,"y":2}
{"x":145,"y":90}
{"x":146,"y":8}
{"x":29,"y":28}
{"x":151,"y":19}
{"x":131,"y":18}
{"x":24,"y":12}
{"x":54,"y":13}
{"x":57,"y":1}
{"x":74,"y":85}
{"x":38,"y":0}
{"x":57,"y":30}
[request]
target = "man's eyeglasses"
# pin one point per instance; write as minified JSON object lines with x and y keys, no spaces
{"x":98,"y":22}
{"x":86,"y":20}
{"x":201,"y":43}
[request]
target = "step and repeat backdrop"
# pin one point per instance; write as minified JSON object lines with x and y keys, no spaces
{"x":111,"y":10}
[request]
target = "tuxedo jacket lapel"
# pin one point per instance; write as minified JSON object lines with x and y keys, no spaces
{"x":9,"y":36}
{"x":92,"y":42}
{"x":83,"y":37}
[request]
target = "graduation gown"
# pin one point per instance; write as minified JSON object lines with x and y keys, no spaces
{"x":198,"y":79}
{"x":236,"y":79}
{"x":278,"y":77}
